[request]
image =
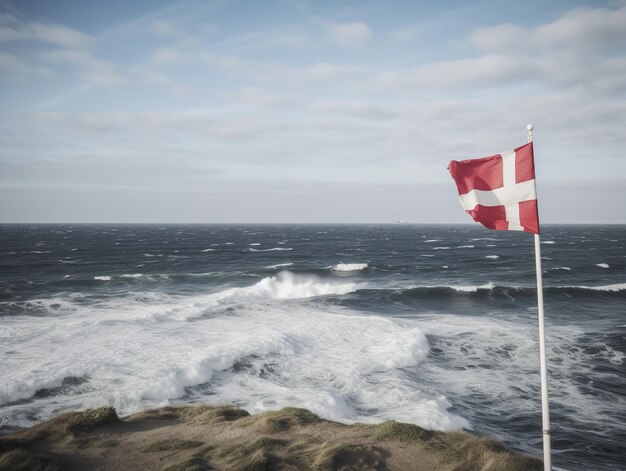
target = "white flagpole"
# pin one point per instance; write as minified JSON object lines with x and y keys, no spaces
{"x":545,"y":406}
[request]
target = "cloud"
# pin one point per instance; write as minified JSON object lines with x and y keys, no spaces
{"x":258,"y":98}
{"x":255,"y":69}
{"x":210,"y":29}
{"x":588,"y":28}
{"x":577,"y":49}
{"x":199,"y":127}
{"x":502,"y":38}
{"x":265,"y":40}
{"x":287,"y":201}
{"x":580,"y":49}
{"x":407,"y":34}
{"x":323,"y":71}
{"x":13,"y":65}
{"x":357,"y":109}
{"x":96,"y":72}
{"x":14,"y":29}
{"x":244,"y":55}
{"x":60,"y":35}
{"x":145,"y":75}
{"x":52,"y":49}
{"x":350,"y":34}
{"x":485,"y":71}
{"x":165,"y":29}
{"x":247,"y":111}
{"x":326,"y":71}
{"x":170,"y":55}
{"x":581,"y":29}
{"x":91,"y":171}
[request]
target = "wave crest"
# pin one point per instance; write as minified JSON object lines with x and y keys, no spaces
{"x":273,"y":249}
{"x":288,"y":285}
{"x":349,"y":267}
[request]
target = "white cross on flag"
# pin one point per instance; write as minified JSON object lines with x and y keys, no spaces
{"x":499,"y":191}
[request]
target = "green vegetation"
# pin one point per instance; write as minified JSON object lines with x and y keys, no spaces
{"x":20,"y":460}
{"x":212,"y":414}
{"x":228,"y":438}
{"x":90,"y":419}
{"x":196,"y":463}
{"x":257,"y":455}
{"x":164,"y":413}
{"x":170,"y":444}
{"x":282,"y":420}
{"x":392,"y":430}
{"x":266,"y":444}
{"x":343,"y":456}
{"x":107,"y":444}
{"x":260,"y":461}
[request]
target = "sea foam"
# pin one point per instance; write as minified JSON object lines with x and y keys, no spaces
{"x":498,"y":358}
{"x":279,"y":265}
{"x":349,"y":267}
{"x":472,"y":288}
{"x":615,"y":287}
{"x":273,"y":249}
{"x":326,"y":358}
{"x":287,"y":285}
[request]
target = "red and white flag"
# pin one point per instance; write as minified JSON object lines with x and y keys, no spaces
{"x":499,"y":191}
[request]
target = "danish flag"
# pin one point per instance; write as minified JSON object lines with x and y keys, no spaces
{"x":499,"y":191}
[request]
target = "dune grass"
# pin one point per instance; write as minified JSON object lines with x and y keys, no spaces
{"x":201,"y":438}
{"x":170,"y":444}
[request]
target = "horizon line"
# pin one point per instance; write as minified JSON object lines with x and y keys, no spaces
{"x":397,"y":223}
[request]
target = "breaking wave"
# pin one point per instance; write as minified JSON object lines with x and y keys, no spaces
{"x":288,"y":285}
{"x":261,"y":355}
{"x":490,"y":290}
{"x":273,"y":249}
{"x":349,"y":267}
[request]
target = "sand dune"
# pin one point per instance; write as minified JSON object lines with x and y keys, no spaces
{"x":199,"y":438}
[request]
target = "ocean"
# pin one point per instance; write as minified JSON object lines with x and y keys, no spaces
{"x":430,"y":324}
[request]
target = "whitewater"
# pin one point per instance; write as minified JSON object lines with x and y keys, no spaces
{"x":432,"y":325}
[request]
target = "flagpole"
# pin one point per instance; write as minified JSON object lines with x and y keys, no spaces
{"x":545,"y":406}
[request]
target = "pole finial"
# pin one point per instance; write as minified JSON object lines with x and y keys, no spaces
{"x":529,"y":128}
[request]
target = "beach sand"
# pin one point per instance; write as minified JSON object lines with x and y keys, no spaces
{"x":200,"y":438}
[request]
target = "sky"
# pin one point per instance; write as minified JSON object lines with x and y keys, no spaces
{"x":297,"y":111}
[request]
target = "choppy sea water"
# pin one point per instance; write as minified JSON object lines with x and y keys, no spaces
{"x":434,"y":325}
